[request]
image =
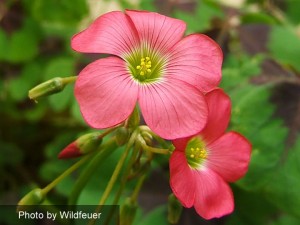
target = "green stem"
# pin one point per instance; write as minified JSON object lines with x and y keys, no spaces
{"x":114,"y":177}
{"x":105,"y":151}
{"x":125,"y":177}
{"x":68,"y":80}
{"x":66,"y":173}
{"x":115,"y":174}
{"x":143,"y":144}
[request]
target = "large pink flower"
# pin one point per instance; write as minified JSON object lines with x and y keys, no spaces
{"x":152,"y":65}
{"x":201,"y":165}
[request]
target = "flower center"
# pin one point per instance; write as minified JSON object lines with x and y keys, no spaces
{"x":196,"y":153}
{"x":145,"y":64}
{"x":144,"y":68}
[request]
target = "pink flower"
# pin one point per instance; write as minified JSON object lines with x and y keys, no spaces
{"x":152,"y":65}
{"x":201,"y":165}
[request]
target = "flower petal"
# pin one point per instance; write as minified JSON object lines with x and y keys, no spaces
{"x":229,"y":156}
{"x":196,"y":59}
{"x":173,"y":109}
{"x":159,"y":31}
{"x":213,"y":198}
{"x":111,"y":33}
{"x":219,"y":110}
{"x":105,"y":92}
{"x":180,"y":143}
{"x":182,"y":180}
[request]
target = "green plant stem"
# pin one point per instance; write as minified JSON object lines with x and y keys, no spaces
{"x":126,"y":174}
{"x":115,"y":174}
{"x":144,"y":145}
{"x":114,"y":177}
{"x":106,"y":149}
{"x":118,"y":168}
{"x":66,"y":173}
{"x":123,"y":184}
{"x":68,"y":80}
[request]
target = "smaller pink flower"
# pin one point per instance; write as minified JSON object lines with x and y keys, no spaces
{"x":201,"y":165}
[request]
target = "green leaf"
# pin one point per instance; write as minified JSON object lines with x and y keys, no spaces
{"x":284,"y":187}
{"x":19,"y":87}
{"x":293,"y":11}
{"x":258,"y":17}
{"x":200,"y":20}
{"x":60,"y":12}
{"x":284,"y":46}
{"x":23,"y":47}
{"x":250,"y":209}
{"x":286,"y":220}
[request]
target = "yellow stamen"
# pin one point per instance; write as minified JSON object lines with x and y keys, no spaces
{"x":145,"y":66}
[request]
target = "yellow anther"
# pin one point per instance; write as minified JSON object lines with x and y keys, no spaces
{"x":197,"y":149}
{"x":145,"y":66}
{"x":192,"y":155}
{"x":192,"y":149}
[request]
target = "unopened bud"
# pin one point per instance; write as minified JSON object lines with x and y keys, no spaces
{"x":174,"y":209}
{"x":49,"y":87}
{"x":34,"y":197}
{"x":81,"y":146}
{"x":122,"y":136}
{"x":128,"y":211}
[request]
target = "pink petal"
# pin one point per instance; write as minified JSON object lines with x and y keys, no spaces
{"x":112,"y":33}
{"x":180,"y":143}
{"x":159,"y":31}
{"x":105,"y":92}
{"x":196,"y":59}
{"x":229,"y":156}
{"x":219,"y":110}
{"x":173,"y":109}
{"x":182,"y":179}
{"x":213,"y":198}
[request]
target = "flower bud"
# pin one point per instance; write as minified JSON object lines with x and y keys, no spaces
{"x":34,"y":197}
{"x":174,"y":209}
{"x":49,"y":87}
{"x":128,"y":211}
{"x":122,"y":135}
{"x":81,"y":146}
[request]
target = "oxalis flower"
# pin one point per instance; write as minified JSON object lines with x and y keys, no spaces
{"x":201,"y":165}
{"x":150,"y":64}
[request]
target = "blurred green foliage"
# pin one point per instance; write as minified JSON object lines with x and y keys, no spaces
{"x":35,"y":46}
